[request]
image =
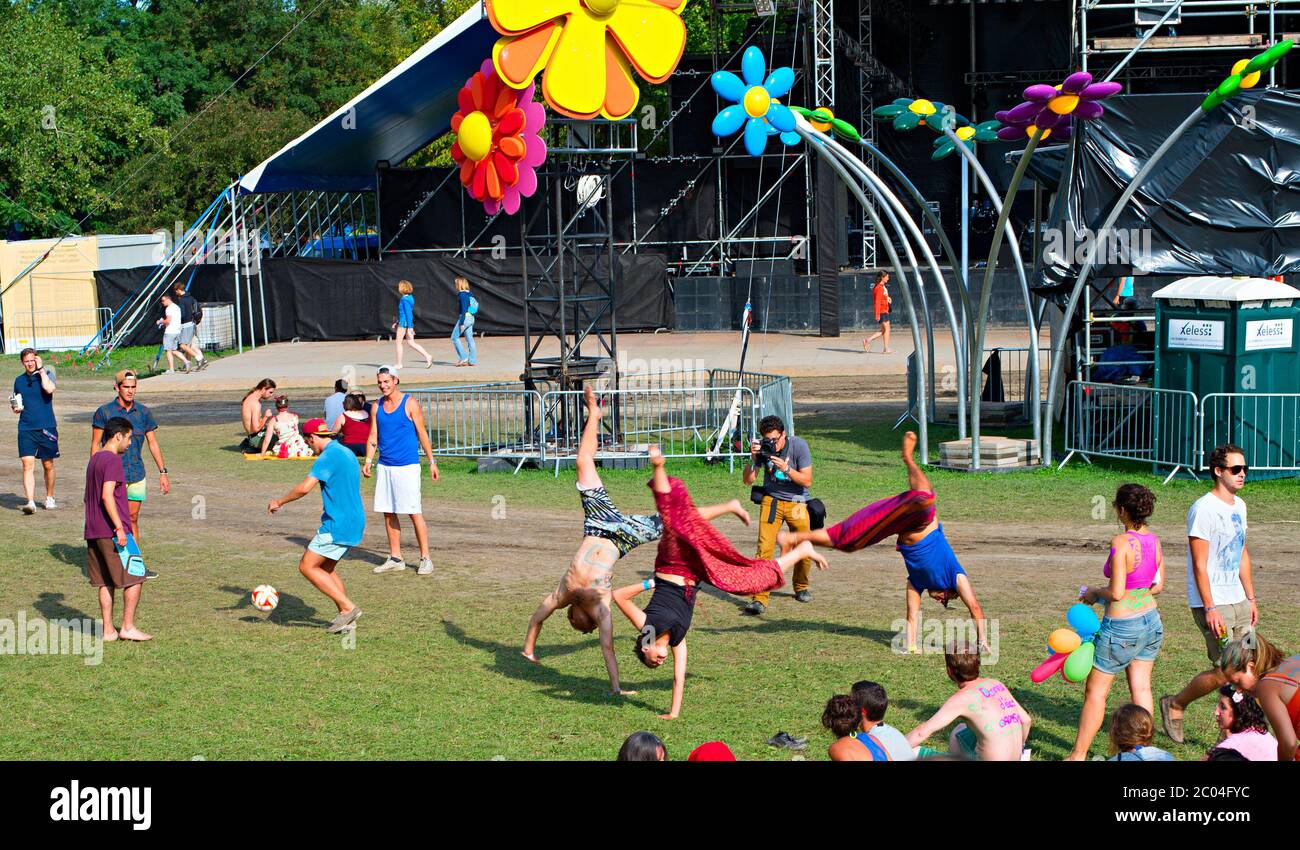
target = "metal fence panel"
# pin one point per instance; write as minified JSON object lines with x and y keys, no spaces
{"x":774,"y":394}
{"x":55,"y":330}
{"x":683,"y":422}
{"x":1266,"y":426}
{"x":1143,"y":424}
{"x":479,"y":422}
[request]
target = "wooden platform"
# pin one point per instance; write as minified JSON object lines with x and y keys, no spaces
{"x":1192,"y":42}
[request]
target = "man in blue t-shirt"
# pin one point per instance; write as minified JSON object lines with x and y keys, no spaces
{"x":143,"y":430}
{"x":343,"y":520}
{"x":38,"y":433}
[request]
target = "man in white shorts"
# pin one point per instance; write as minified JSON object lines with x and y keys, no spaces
{"x":397,"y":431}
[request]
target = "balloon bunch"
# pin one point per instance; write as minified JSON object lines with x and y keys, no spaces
{"x":1072,"y":649}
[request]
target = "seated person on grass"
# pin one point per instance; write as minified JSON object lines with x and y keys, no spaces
{"x":932,"y":567}
{"x":607,"y":535}
{"x":857,"y":721}
{"x":254,"y":418}
{"x":995,"y":725}
{"x":691,"y":551}
{"x":1131,"y":731}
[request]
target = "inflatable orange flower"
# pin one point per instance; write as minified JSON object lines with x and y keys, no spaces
{"x":497,"y":145}
{"x":588,"y":49}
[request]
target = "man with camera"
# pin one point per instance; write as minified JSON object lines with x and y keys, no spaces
{"x":787,"y":474}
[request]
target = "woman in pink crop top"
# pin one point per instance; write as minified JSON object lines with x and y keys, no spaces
{"x":1131,"y":632}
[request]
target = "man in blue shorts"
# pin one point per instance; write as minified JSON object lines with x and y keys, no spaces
{"x":143,"y":430}
{"x":343,"y":520}
{"x":38,"y":433}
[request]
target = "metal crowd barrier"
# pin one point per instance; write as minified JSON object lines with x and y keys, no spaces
{"x":1142,"y":424}
{"x":774,"y":394}
{"x":1265,"y":425}
{"x":57,"y":330}
{"x":482,"y":422}
{"x":684,"y":422}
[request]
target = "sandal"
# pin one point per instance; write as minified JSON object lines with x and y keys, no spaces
{"x":1173,"y":726}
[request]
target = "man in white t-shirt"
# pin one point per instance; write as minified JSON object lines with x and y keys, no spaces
{"x":171,"y":325}
{"x":1220,"y":582}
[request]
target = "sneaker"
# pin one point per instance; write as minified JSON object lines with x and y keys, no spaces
{"x":347,"y":618}
{"x":426,"y":567}
{"x":201,"y":365}
{"x":803,"y":596}
{"x":789,"y":742}
{"x":392,"y":565}
{"x":753,"y":609}
{"x":29,"y":508}
{"x":148,"y":574}
{"x":49,"y":503}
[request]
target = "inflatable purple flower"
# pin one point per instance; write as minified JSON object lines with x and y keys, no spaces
{"x":1050,"y":108}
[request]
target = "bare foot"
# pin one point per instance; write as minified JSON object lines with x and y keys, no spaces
{"x":624,"y":692}
{"x":668,"y":717}
{"x":889,"y":351}
{"x":909,"y":445}
{"x":806,"y":550}
{"x":866,"y":346}
{"x":529,"y":656}
{"x":739,"y":510}
{"x":134,"y":634}
{"x":109,"y":637}
{"x":593,"y":406}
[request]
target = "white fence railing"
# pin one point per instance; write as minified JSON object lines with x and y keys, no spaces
{"x":1175,"y":429}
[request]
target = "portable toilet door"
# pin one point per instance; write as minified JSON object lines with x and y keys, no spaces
{"x":1232,"y":342}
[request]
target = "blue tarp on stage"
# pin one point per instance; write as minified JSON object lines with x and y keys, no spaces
{"x":402,"y":112}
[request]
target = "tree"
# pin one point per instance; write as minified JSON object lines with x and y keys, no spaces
{"x":68,"y":121}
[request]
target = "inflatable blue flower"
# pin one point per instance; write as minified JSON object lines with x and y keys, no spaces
{"x":755,"y":105}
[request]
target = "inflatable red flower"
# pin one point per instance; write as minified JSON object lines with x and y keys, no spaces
{"x":497,"y":146}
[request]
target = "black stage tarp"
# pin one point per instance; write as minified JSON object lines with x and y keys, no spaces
{"x":330,"y":300}
{"x":1225,"y":199}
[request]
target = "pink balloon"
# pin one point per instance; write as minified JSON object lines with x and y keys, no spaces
{"x":1044,"y":671}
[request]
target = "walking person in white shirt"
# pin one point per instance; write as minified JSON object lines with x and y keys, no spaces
{"x":1220,"y":581}
{"x":171,"y":325}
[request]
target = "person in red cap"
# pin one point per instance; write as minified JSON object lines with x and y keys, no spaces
{"x":712,"y":751}
{"x":343,"y":520}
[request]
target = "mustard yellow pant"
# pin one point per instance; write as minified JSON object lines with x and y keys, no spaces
{"x":793,"y":514}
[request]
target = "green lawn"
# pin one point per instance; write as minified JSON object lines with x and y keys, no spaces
{"x":82,"y":367}
{"x":435,"y":670}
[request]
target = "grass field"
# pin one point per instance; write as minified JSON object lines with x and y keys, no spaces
{"x":434,"y":670}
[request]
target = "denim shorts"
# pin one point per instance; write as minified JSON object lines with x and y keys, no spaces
{"x":1121,"y":642}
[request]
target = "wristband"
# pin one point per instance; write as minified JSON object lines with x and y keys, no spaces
{"x":162,"y":471}
{"x":1210,"y":608}
{"x":647,"y":584}
{"x":1250,"y":599}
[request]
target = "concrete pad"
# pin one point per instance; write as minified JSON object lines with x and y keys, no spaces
{"x":319,"y":364}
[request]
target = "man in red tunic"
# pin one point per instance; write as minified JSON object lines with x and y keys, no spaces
{"x":692,"y":551}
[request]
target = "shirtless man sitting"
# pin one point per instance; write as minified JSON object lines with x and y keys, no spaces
{"x":254,"y":418}
{"x":585,"y":588}
{"x":995,"y":726}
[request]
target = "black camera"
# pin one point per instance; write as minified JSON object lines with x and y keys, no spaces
{"x":767,"y":447}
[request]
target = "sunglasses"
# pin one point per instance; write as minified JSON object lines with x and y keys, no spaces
{"x":1238,"y":469}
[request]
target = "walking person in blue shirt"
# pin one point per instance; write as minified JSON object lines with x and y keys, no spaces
{"x":38,"y":433}
{"x":405,"y":324}
{"x":466,"y":307}
{"x":343,"y":520}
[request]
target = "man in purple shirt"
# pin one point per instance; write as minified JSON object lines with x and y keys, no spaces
{"x":106,"y":516}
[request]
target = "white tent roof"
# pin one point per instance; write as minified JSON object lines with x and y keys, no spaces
{"x":1228,"y":289}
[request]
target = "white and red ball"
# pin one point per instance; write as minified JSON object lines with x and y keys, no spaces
{"x":265,"y":597}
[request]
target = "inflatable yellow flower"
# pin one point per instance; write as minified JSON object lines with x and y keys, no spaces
{"x":588,"y":49}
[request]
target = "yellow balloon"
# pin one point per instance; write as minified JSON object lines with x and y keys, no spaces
{"x":965,"y":133}
{"x":1064,"y":640}
{"x":1063,"y":104}
{"x":823,"y":126}
{"x":757,"y":102}
{"x":1250,"y":80}
{"x":475,"y":136}
{"x":922,"y":106}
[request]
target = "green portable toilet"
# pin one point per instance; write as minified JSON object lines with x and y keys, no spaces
{"x":1233,"y":335}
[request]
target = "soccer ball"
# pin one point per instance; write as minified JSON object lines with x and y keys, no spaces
{"x":265,"y":597}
